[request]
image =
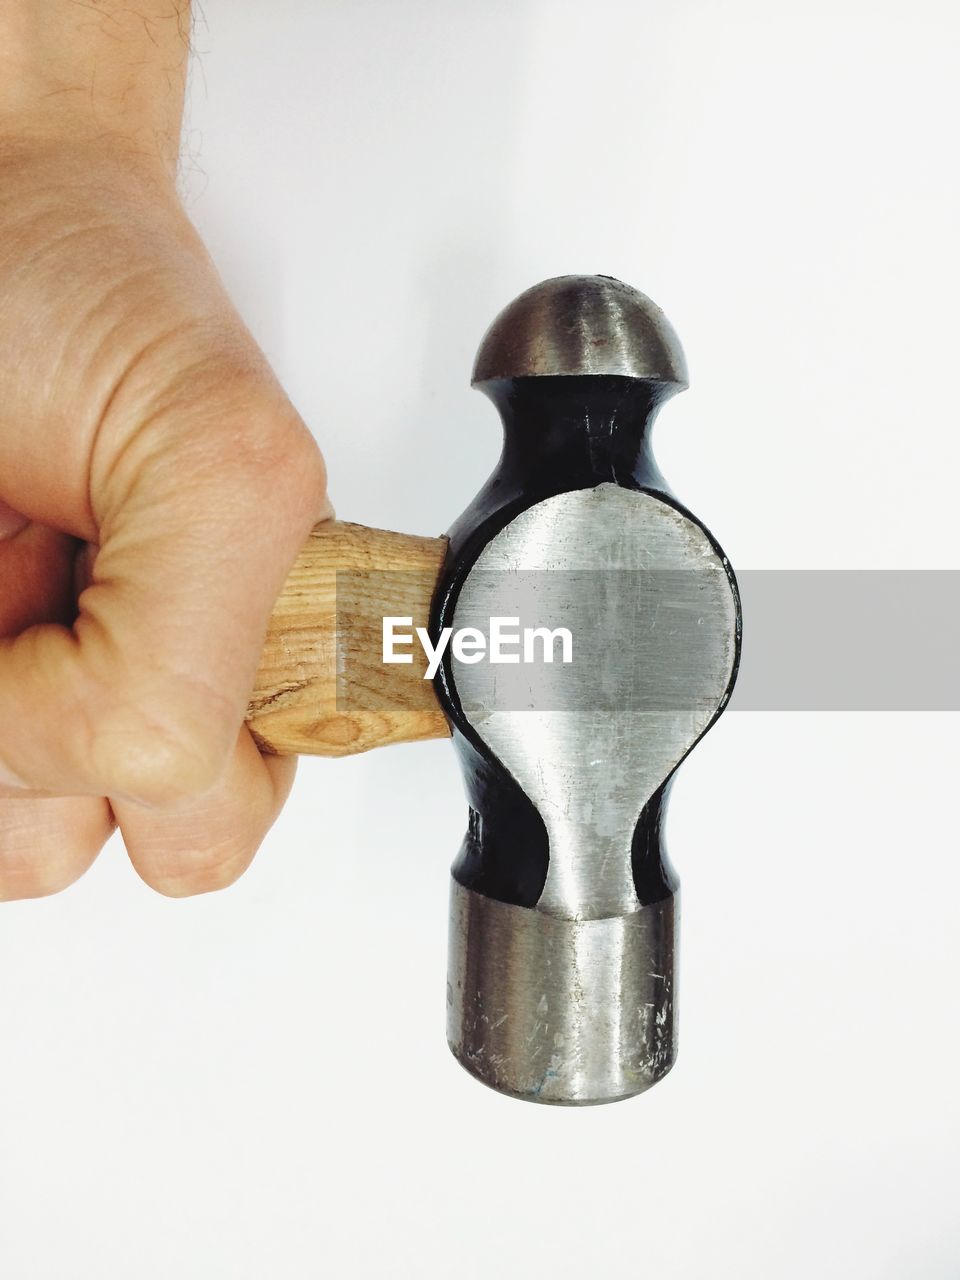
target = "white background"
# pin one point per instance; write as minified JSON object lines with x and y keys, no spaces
{"x":256,"y":1084}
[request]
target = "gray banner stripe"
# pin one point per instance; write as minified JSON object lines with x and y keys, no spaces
{"x":813,"y":640}
{"x":849,"y":640}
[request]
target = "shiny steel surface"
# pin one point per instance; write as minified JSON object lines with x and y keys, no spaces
{"x":572,"y":1001}
{"x":561,"y":1011}
{"x":585,"y":753}
{"x":582,"y":325}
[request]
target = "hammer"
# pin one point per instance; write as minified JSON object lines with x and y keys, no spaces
{"x":564,"y":907}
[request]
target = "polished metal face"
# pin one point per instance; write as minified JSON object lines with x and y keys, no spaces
{"x":653,"y":617}
{"x":574,"y":325}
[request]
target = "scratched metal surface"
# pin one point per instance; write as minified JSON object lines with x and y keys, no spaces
{"x":582,"y":325}
{"x":587,"y":757}
{"x":571,"y":1012}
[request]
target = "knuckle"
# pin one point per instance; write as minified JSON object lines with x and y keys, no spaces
{"x":282,"y":461}
{"x":160,"y":760}
{"x":188,"y":875}
{"x":310,"y":474}
{"x":268,"y":440}
{"x":40,"y":868}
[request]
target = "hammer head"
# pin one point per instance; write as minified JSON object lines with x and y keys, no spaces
{"x":562,"y":982}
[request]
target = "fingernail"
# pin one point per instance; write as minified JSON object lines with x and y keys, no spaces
{"x":11,"y":522}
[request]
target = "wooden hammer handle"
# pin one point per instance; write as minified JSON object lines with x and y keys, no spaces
{"x":322,"y":687}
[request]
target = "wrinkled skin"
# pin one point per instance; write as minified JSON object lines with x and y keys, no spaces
{"x":155,"y":487}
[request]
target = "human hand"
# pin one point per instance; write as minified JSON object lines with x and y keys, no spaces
{"x":148,"y":456}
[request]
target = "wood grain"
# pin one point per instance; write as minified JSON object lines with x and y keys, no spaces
{"x":322,"y":687}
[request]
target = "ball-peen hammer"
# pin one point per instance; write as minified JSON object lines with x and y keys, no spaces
{"x":562,"y":958}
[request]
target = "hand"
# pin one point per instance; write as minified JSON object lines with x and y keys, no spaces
{"x":149,"y":458}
